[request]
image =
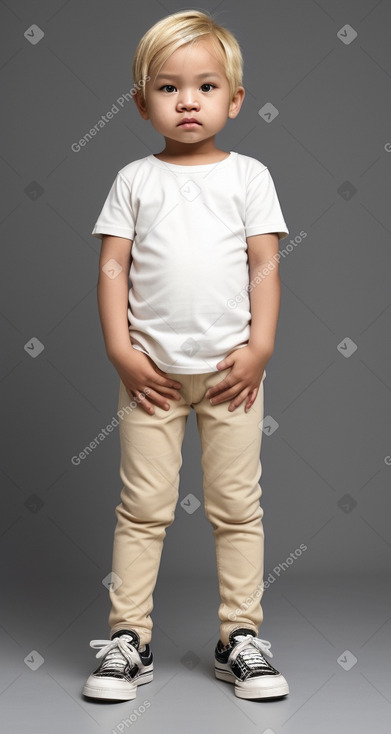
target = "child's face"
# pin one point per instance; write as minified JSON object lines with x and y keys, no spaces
{"x":180,"y":92}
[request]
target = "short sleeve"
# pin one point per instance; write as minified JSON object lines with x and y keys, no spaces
{"x":263,"y":210}
{"x":116,"y":216}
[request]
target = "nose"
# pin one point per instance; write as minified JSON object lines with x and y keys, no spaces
{"x":188,"y":101}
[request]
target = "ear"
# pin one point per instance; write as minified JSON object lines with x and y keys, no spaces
{"x":141,"y":105}
{"x":236,"y":102}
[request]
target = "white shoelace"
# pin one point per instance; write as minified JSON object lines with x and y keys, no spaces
{"x":116,"y":650}
{"x":252,"y":657}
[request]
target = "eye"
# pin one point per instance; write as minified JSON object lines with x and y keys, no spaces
{"x":171,"y":86}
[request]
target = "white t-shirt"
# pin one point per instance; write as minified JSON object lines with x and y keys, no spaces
{"x":189,"y":300}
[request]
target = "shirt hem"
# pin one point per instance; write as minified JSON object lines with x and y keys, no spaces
{"x":177,"y":370}
{"x":116,"y":231}
{"x":268,"y":229}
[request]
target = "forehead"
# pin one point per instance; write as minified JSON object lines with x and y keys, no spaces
{"x":199,"y":56}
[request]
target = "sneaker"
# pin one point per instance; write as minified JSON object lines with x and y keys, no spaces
{"x":124,"y":667}
{"x":243,"y":663}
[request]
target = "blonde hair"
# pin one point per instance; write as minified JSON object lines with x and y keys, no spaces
{"x":178,"y":29}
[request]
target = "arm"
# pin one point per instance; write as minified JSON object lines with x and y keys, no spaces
{"x":113,"y":296}
{"x":135,"y":369}
{"x":248,"y":363}
{"x":265,"y":296}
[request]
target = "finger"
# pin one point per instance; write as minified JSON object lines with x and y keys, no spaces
{"x":166,"y":381}
{"x":251,"y":399}
{"x":148,"y":408}
{"x":160,"y":399}
{"x":141,"y":395}
{"x":168,"y":387}
{"x":169,"y":392}
{"x":142,"y":400}
{"x":215,"y":389}
{"x":155,"y":397}
{"x":229,"y":382}
{"x":238,"y":400}
{"x":228,"y":394}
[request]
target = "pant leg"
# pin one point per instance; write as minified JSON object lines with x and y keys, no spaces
{"x":231,"y":444}
{"x":151,"y":458}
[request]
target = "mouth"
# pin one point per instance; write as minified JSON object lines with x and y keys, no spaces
{"x":188,"y":123}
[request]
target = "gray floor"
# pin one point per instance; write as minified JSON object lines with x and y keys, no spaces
{"x":330,"y":637}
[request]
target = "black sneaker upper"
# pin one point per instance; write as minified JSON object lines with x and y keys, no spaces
{"x":115,"y":665}
{"x":250,"y":662}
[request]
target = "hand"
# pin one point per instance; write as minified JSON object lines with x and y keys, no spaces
{"x":243,"y":381}
{"x":144,"y":380}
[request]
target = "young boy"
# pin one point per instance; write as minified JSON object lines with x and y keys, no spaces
{"x":192,"y":227}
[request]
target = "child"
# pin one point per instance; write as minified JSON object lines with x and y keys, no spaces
{"x":193,"y":227}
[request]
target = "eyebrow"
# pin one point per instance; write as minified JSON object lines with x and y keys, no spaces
{"x":198,"y":76}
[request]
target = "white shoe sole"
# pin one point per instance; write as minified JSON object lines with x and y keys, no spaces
{"x":263,"y":687}
{"x":116,"y":690}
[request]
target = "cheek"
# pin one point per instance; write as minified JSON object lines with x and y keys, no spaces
{"x":159,"y":113}
{"x":163,"y":108}
{"x":218,"y":107}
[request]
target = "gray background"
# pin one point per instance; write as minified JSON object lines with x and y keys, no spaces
{"x":326,"y":475}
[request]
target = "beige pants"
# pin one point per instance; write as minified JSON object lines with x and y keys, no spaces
{"x":151,"y":458}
